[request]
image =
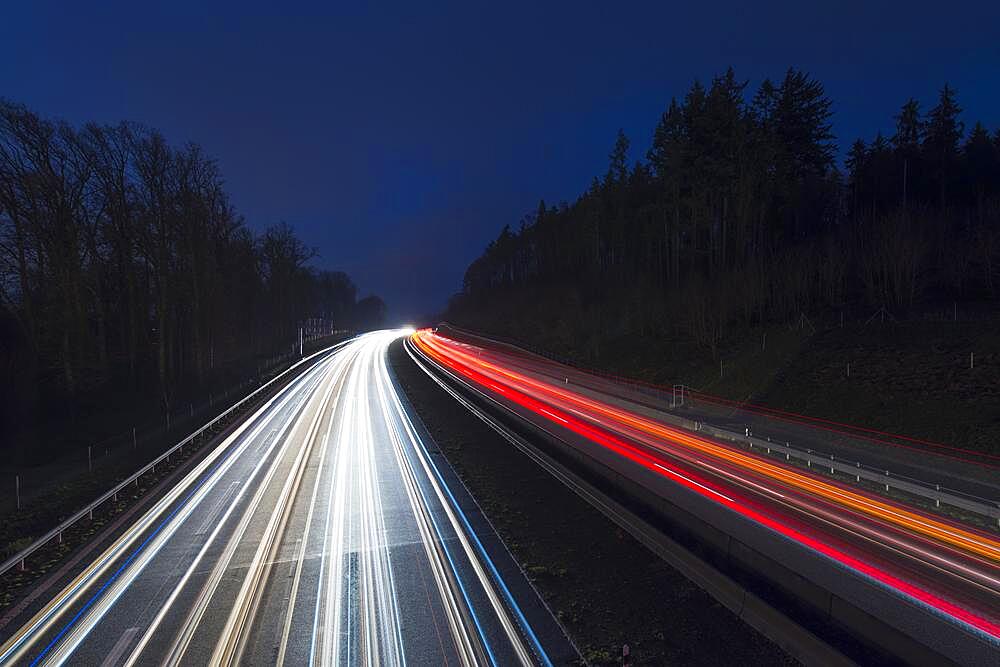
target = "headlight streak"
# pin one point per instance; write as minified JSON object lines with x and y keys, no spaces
{"x":442,"y":352}
{"x":465,"y":529}
{"x":230,"y":647}
{"x":228,"y":526}
{"x":443,"y":570}
{"x":188,"y":628}
{"x":300,"y":558}
{"x":22,"y":641}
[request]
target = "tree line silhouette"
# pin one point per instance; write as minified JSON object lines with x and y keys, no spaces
{"x":740,"y":216}
{"x":122,"y":261}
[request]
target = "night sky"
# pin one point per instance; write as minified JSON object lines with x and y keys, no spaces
{"x":398,"y":141}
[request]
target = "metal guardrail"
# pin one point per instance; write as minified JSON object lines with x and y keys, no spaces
{"x":678,"y":395}
{"x":813,"y":458}
{"x":88,"y":511}
{"x":859,"y":471}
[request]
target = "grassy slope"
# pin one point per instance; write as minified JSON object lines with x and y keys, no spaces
{"x":910,"y":378}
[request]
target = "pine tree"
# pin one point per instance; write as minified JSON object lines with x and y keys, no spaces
{"x":618,"y":160}
{"x":909,"y":127}
{"x":856,"y":163}
{"x":906,"y":142}
{"x":944,"y":131}
{"x":802,"y":123}
{"x":982,"y":166}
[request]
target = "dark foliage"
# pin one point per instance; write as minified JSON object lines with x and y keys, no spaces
{"x":740,"y":217}
{"x":123,"y":262}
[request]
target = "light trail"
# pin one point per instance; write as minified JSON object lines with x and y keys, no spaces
{"x":320,"y":530}
{"x":879,"y":538}
{"x":953,"y":534}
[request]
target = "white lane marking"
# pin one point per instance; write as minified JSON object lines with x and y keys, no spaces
{"x":685,"y":477}
{"x":553,"y":415}
{"x":738,"y":478}
{"x":119,"y":648}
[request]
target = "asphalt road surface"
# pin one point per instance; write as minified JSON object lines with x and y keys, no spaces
{"x":948,"y":567}
{"x":324,"y":530}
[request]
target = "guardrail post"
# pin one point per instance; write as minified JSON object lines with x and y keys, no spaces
{"x":59,"y":538}
{"x":21,"y":566}
{"x":91,"y":514}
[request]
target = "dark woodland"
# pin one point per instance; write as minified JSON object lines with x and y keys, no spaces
{"x":123,"y":262}
{"x":740,"y":216}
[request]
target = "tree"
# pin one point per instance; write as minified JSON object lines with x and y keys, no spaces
{"x":618,"y":160}
{"x":943,"y":134}
{"x":906,"y":142}
{"x":804,"y":136}
{"x":802,"y":125}
{"x":123,"y":263}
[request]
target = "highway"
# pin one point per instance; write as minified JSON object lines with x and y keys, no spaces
{"x":321,"y":531}
{"x":927,"y":560}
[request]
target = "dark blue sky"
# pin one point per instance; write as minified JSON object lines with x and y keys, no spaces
{"x":398,"y":141}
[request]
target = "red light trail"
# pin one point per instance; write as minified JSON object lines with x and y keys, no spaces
{"x":946,"y":566}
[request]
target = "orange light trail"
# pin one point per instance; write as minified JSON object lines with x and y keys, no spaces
{"x":587,"y":416}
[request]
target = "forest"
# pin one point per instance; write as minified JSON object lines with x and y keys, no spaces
{"x":123,"y":264}
{"x":741,"y":216}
